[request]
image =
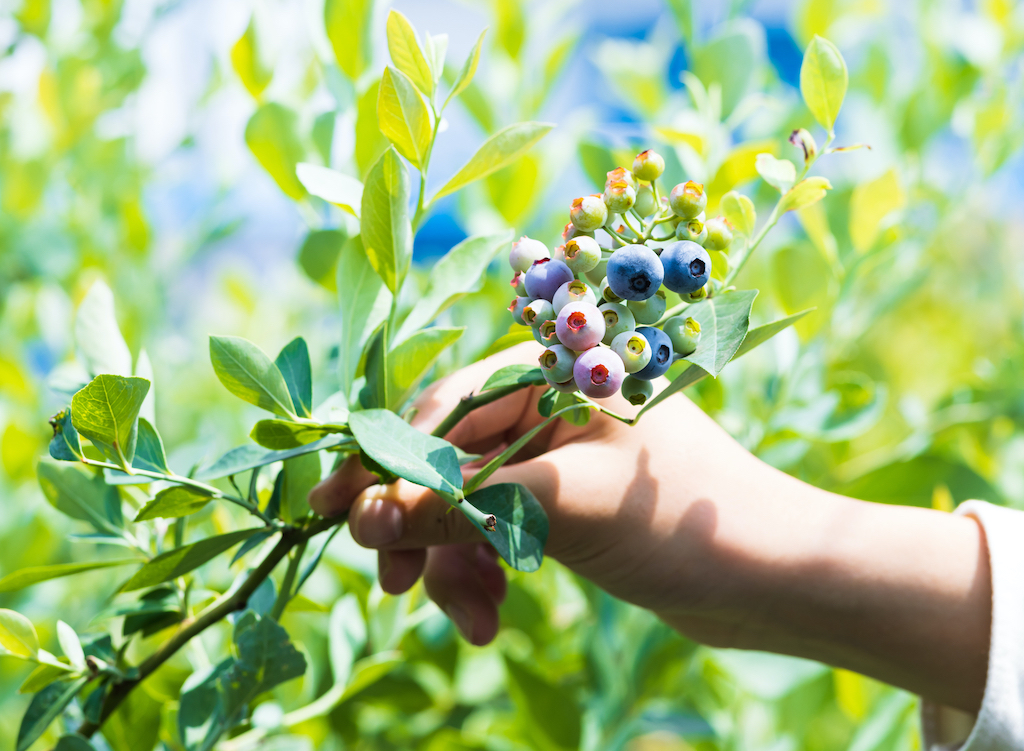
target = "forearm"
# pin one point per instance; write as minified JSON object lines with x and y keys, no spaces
{"x":900,"y":594}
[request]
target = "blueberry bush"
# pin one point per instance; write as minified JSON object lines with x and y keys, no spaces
{"x":212,"y":609}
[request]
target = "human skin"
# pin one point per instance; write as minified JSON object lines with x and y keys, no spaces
{"x":673,"y":515}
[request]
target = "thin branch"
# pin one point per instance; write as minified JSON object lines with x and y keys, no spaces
{"x":474,"y":401}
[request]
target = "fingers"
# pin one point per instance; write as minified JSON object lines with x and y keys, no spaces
{"x":403,"y":516}
{"x":467,"y":583}
{"x":398,"y":570}
{"x":335,"y":494}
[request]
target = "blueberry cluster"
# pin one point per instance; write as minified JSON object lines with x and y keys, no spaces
{"x":598,"y":301}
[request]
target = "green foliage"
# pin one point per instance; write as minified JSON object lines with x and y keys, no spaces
{"x":184,"y":559}
{"x":247,"y":372}
{"x":386,"y":234}
{"x":106,"y":412}
{"x":823,"y":81}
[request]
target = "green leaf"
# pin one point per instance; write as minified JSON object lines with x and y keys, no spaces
{"x":406,"y":53}
{"x":501,"y":149}
{"x":731,"y":60}
{"x":73,"y":743}
{"x":106,"y":413}
{"x":281,"y":434}
{"x":46,"y":706}
{"x":272,"y":137}
{"x":174,"y":503}
{"x":65,"y":446}
{"x":18,"y":635}
{"x":761,"y":334}
{"x":346,"y":634}
{"x":370,"y":142}
{"x":332,"y":186}
{"x":266,"y":658}
{"x":98,"y":340}
{"x":244,"y":458}
{"x":779,"y":173}
{"x":456,"y":274}
{"x":870,"y":203}
{"x":293,"y":362}
{"x":468,"y":70}
{"x":823,"y":81}
{"x":42,"y":676}
{"x":79,"y":493}
{"x":512,"y":375}
{"x":739,"y":210}
{"x":71,"y":645}
{"x":408,"y":453}
{"x":520,"y":530}
{"x":435,"y":51}
{"x":409,"y":362}
{"x":804,"y":193}
{"x":149,"y":449}
{"x":364,"y":301}
{"x":245,"y":59}
{"x":301,"y":473}
{"x":404,"y":117}
{"x":318,"y":256}
{"x":374,"y":393}
{"x":248,"y":373}
{"x":551,"y":710}
{"x":26,"y":577}
{"x":347,"y":23}
{"x":724,"y":321}
{"x":180,"y":561}
{"x":386,"y":232}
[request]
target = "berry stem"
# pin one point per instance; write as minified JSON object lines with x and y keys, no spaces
{"x":594,"y":405}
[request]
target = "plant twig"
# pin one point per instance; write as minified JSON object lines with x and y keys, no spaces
{"x":284,"y":596}
{"x":474,"y":401}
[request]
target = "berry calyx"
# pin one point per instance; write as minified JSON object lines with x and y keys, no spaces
{"x":537,"y":312}
{"x":598,"y":372}
{"x":569,"y":232}
{"x":579,"y":326}
{"x":687,"y":267}
{"x":545,"y":333}
{"x":688,"y":199}
{"x":588,"y":213}
{"x":634,"y":272}
{"x":581,"y":254}
{"x":648,"y":165}
{"x":661,"y":353}
{"x":545,"y":276}
{"x":692,"y":230}
{"x":525,"y":252}
{"x":517,"y":307}
{"x":519,"y":284}
{"x":621,"y":175}
{"x":557,"y":361}
{"x":633,"y":349}
{"x":574,"y":291}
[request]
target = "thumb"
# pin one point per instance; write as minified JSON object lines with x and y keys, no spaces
{"x":335,"y":494}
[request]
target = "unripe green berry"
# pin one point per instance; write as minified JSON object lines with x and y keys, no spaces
{"x":574,"y":291}
{"x":693,"y":230}
{"x":619,"y":197}
{"x":719,"y":233}
{"x":518,"y":284}
{"x":634,"y":349}
{"x":537,"y":312}
{"x":588,"y":213}
{"x":648,"y":165}
{"x":645,"y":204}
{"x":697,"y":296}
{"x":617,"y":320}
{"x":688,"y":199}
{"x":599,"y":272}
{"x":684,"y":333}
{"x":606,"y":292}
{"x":567,"y":387}
{"x":545,"y":333}
{"x":649,"y":311}
{"x":637,"y":392}
{"x":517,"y":308}
{"x":524,"y":252}
{"x":569,"y":232}
{"x":621,"y":175}
{"x":556,"y":363}
{"x":581,"y":254}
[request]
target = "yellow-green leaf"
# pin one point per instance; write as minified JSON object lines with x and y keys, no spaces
{"x":779,"y":173}
{"x":18,"y":635}
{"x":386,"y":232}
{"x":805,"y":193}
{"x":406,"y":53}
{"x":347,"y":24}
{"x":403,"y":116}
{"x":174,"y":503}
{"x":245,"y":59}
{"x":823,"y":81}
{"x":334,"y":187}
{"x":35,"y":574}
{"x":271,"y":135}
{"x":106,"y":412}
{"x":870,"y":203}
{"x":739,"y":210}
{"x":504,"y":147}
{"x":465,"y":77}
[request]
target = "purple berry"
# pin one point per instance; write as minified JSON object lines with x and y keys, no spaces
{"x":598,"y":372}
{"x":579,"y":326}
{"x":634,"y":272}
{"x":687,"y":266}
{"x":661,"y":353}
{"x":545,"y":277}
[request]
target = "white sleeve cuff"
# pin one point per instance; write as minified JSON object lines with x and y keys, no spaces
{"x":1000,"y":723}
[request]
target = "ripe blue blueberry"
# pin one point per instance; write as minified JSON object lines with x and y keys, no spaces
{"x":684,"y":333}
{"x":517,"y":307}
{"x":634,"y":350}
{"x":661,"y":353}
{"x":636,"y":391}
{"x":579,"y":326}
{"x":634,"y":272}
{"x":581,"y":254}
{"x":687,"y":266}
{"x":556,"y":362}
{"x":525,"y":252}
{"x":598,"y":372}
{"x":545,"y":277}
{"x":574,"y":291}
{"x":617,"y":319}
{"x":649,"y":311}
{"x":537,"y":312}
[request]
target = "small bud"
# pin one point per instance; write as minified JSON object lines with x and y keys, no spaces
{"x":581,"y":254}
{"x":693,"y":230}
{"x":619,"y":197}
{"x":684,"y":333}
{"x":645,"y":204}
{"x":633,"y":349}
{"x":556,"y":363}
{"x":648,"y":165}
{"x":621,"y":175}
{"x":719,"y":233}
{"x":588,"y":213}
{"x":688,"y":199}
{"x":607,"y":293}
{"x":805,"y":141}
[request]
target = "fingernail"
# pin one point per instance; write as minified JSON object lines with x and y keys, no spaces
{"x":380,"y":522}
{"x":461,"y":620}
